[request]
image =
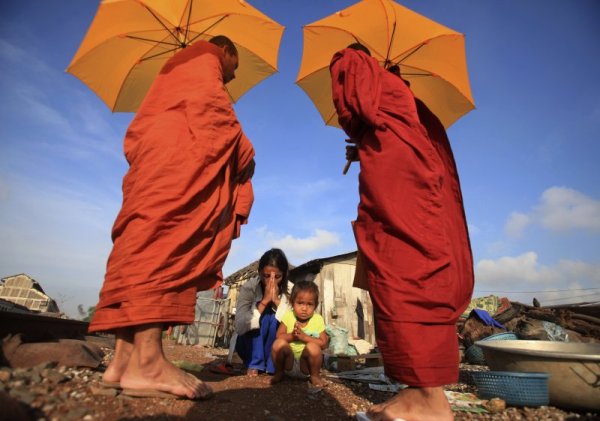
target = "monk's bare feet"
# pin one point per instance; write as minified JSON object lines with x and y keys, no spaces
{"x":422,"y":404}
{"x":317,"y":381}
{"x":114,"y":371}
{"x":163,"y":376}
{"x":123,"y":350}
{"x":277,"y":377}
{"x":252,"y":372}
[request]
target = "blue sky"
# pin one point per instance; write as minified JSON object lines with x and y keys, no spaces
{"x":527,"y":155}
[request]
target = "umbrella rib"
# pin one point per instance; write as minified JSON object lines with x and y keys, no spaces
{"x":414,"y":50}
{"x":374,"y":51}
{"x":151,"y":40}
{"x":163,"y":25}
{"x":202,"y":33}
{"x":330,"y":117}
{"x":187,"y":26}
{"x":387,"y":56}
{"x":160,"y":54}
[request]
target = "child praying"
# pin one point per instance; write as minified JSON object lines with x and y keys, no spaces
{"x":301,"y":337}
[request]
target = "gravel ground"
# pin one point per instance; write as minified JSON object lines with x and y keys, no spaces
{"x":48,"y":392}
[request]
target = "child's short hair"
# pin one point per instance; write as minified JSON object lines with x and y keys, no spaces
{"x":305,"y":286}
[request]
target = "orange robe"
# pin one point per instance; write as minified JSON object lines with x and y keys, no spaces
{"x":410,"y":228}
{"x":182,"y":205}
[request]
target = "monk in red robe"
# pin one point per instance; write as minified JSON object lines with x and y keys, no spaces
{"x":185,"y":195}
{"x":411,"y":231}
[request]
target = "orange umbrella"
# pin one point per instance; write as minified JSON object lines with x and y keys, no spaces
{"x":129,"y":41}
{"x":431,"y":56}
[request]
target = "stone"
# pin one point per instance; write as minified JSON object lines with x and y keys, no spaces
{"x":5,"y":375}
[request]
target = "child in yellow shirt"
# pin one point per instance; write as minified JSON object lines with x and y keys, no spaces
{"x":301,"y":337}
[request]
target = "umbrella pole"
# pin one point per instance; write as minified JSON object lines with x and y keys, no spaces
{"x":347,"y":166}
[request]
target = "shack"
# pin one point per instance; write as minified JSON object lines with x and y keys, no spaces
{"x":23,"y":290}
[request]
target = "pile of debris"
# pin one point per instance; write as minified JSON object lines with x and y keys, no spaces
{"x":572,"y":323}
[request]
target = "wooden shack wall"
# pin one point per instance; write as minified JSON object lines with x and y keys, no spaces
{"x":343,"y":305}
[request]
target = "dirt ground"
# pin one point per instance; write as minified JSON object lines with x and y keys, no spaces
{"x":77,"y":396}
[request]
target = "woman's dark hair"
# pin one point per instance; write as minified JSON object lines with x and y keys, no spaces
{"x":358,"y":46}
{"x":223,"y":41}
{"x":276,"y":258}
{"x":305,"y":286}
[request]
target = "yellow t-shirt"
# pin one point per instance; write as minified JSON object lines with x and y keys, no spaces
{"x":313,"y":328}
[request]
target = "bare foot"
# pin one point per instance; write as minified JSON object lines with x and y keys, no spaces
{"x":423,"y":404}
{"x":123,"y":350}
{"x":252,"y":372}
{"x":277,"y":377}
{"x":317,"y":381}
{"x":114,"y":371}
{"x":163,"y":376}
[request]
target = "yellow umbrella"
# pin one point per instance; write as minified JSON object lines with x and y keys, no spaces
{"x":129,"y":41}
{"x":431,"y":56}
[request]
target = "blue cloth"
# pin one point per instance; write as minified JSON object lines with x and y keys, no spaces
{"x":485,"y":317}
{"x":254,"y":346}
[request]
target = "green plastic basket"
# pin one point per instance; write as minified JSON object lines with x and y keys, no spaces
{"x":517,"y":389}
{"x":474,"y":353}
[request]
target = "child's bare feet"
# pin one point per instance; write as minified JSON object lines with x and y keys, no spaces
{"x":277,"y":377}
{"x":317,"y":381}
{"x":252,"y":372}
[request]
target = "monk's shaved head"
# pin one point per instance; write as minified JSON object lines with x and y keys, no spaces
{"x":223,"y":41}
{"x":358,"y":46}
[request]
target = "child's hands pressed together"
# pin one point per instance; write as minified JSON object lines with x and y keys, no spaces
{"x":298,"y":332}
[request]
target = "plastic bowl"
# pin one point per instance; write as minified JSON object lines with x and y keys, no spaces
{"x":517,"y":389}
{"x":474,"y":354}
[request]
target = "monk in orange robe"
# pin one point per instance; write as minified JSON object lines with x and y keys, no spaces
{"x":411,"y":231}
{"x":185,"y":195}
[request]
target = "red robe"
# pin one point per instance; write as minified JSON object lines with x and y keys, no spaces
{"x":411,"y":227}
{"x":181,"y":203}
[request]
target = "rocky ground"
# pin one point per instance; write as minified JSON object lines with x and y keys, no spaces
{"x":50,"y":392}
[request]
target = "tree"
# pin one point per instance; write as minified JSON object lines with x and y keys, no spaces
{"x":90,"y":314}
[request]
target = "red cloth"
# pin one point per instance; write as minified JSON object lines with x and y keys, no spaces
{"x":181,"y":203}
{"x":411,"y":227}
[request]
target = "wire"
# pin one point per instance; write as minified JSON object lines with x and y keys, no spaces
{"x":570,"y":298}
{"x":535,"y":292}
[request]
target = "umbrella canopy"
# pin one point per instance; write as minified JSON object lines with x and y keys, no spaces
{"x":129,"y":41}
{"x":431,"y":56}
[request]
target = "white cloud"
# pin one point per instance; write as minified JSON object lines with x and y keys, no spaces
{"x":559,"y":209}
{"x":511,"y":275}
{"x":563,"y":209}
{"x":513,"y":271}
{"x":517,"y":222}
{"x":300,"y":248}
{"x":254,"y":242}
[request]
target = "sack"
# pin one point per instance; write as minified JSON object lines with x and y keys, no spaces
{"x":338,"y":339}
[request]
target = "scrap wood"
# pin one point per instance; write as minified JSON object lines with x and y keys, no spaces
{"x":545,"y":315}
{"x":585,"y":328}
